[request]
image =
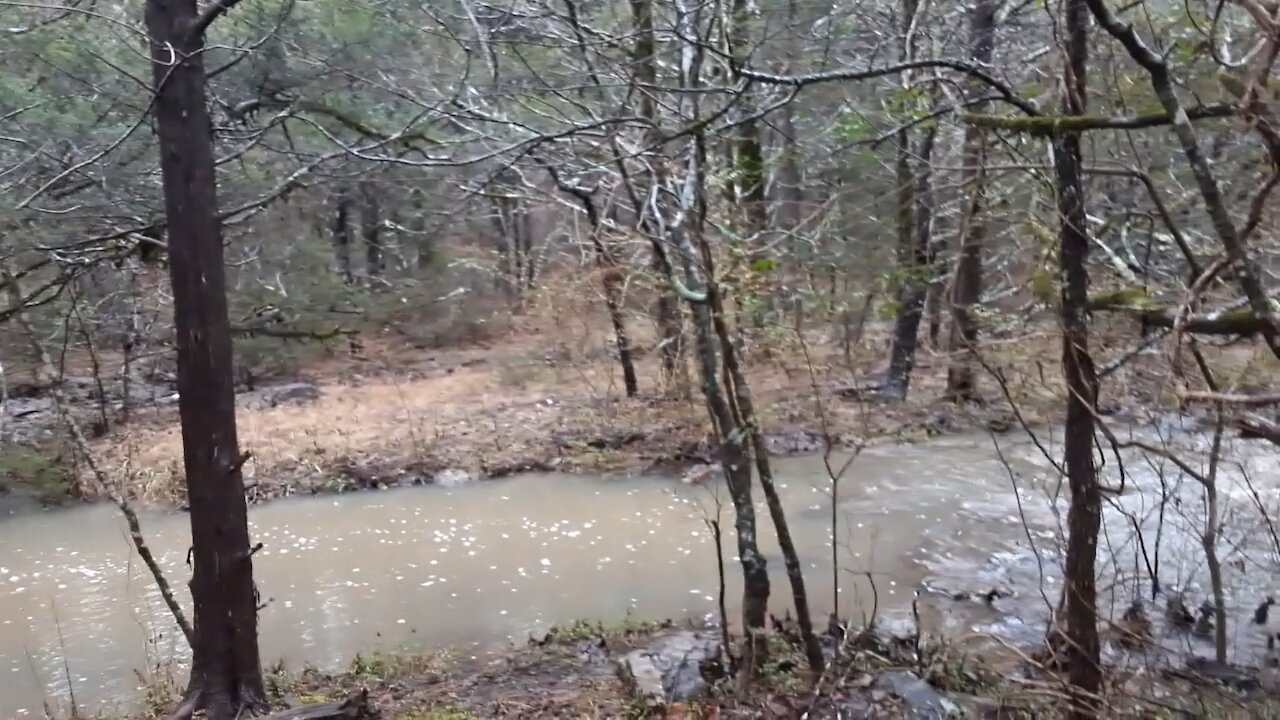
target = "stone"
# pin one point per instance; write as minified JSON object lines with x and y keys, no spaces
{"x":22,"y":407}
{"x":453,"y":477}
{"x":792,"y":442}
{"x":276,"y":395}
{"x":669,"y":669}
{"x":921,"y":700}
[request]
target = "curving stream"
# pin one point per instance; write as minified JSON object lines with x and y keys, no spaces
{"x":486,"y":564}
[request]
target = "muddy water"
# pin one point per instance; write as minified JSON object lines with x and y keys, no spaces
{"x":490,"y":563}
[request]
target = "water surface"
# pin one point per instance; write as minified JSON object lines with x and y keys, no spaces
{"x":485,"y":564}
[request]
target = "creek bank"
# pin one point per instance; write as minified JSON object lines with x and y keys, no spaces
{"x":453,"y":426}
{"x":585,"y":669}
{"x":670,"y":670}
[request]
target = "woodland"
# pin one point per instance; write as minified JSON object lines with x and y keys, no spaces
{"x":517,"y":235}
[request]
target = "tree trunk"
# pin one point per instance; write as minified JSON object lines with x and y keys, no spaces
{"x":753,"y":210}
{"x":911,"y":258}
{"x":743,"y":410}
{"x":915,"y":216}
{"x":937,"y":289}
{"x":669,"y":318}
{"x":967,"y":287}
{"x":610,"y":278}
{"x":371,"y":231}
{"x":737,"y":469}
{"x":226,"y":676}
{"x":342,"y":233}
{"x":418,"y":224}
{"x":790,"y":178}
{"x":670,"y":329}
{"x":749,"y":199}
{"x":686,"y":224}
{"x":1084,"y":515}
{"x":1209,"y":540}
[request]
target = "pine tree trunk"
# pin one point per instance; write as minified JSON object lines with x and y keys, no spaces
{"x":226,"y":679}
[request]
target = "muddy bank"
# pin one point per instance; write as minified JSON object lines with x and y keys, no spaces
{"x":451,"y":418}
{"x":678,"y":670}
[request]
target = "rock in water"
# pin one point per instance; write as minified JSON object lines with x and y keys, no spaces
{"x":669,"y":668}
{"x":792,"y":441}
{"x":452,"y":477}
{"x":922,"y":701}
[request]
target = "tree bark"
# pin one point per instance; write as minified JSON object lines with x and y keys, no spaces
{"x":916,"y":216}
{"x":611,"y":279}
{"x":1209,"y":540}
{"x":226,"y":676}
{"x":737,"y":469}
{"x":371,"y":231}
{"x":911,"y":256}
{"x":1084,"y":514}
{"x":342,"y":232}
{"x":669,"y":319}
{"x":967,"y":287}
{"x":789,"y":178}
{"x":689,"y":222}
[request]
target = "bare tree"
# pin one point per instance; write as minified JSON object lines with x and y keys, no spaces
{"x":967,"y":286}
{"x":1080,"y":645}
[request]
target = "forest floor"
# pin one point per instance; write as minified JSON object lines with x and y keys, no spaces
{"x":538,"y":397}
{"x":584,"y":670}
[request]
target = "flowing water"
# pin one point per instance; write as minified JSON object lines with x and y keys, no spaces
{"x":485,"y":564}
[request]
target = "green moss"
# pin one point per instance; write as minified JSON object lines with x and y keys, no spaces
{"x":1135,"y":298}
{"x":782,"y":668}
{"x":584,"y":629}
{"x":35,"y":472}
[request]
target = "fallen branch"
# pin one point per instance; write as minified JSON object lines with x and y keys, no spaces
{"x":1256,"y":427}
{"x":1242,"y":399}
{"x":1235,"y":321}
{"x":290,"y":334}
{"x":1047,"y":125}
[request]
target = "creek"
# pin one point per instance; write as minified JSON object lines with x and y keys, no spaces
{"x":485,"y":564}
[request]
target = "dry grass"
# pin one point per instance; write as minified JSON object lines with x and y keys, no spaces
{"x":549,"y":395}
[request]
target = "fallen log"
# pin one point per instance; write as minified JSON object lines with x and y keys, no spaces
{"x":356,"y":707}
{"x":1254,"y":427}
{"x":1235,"y":321}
